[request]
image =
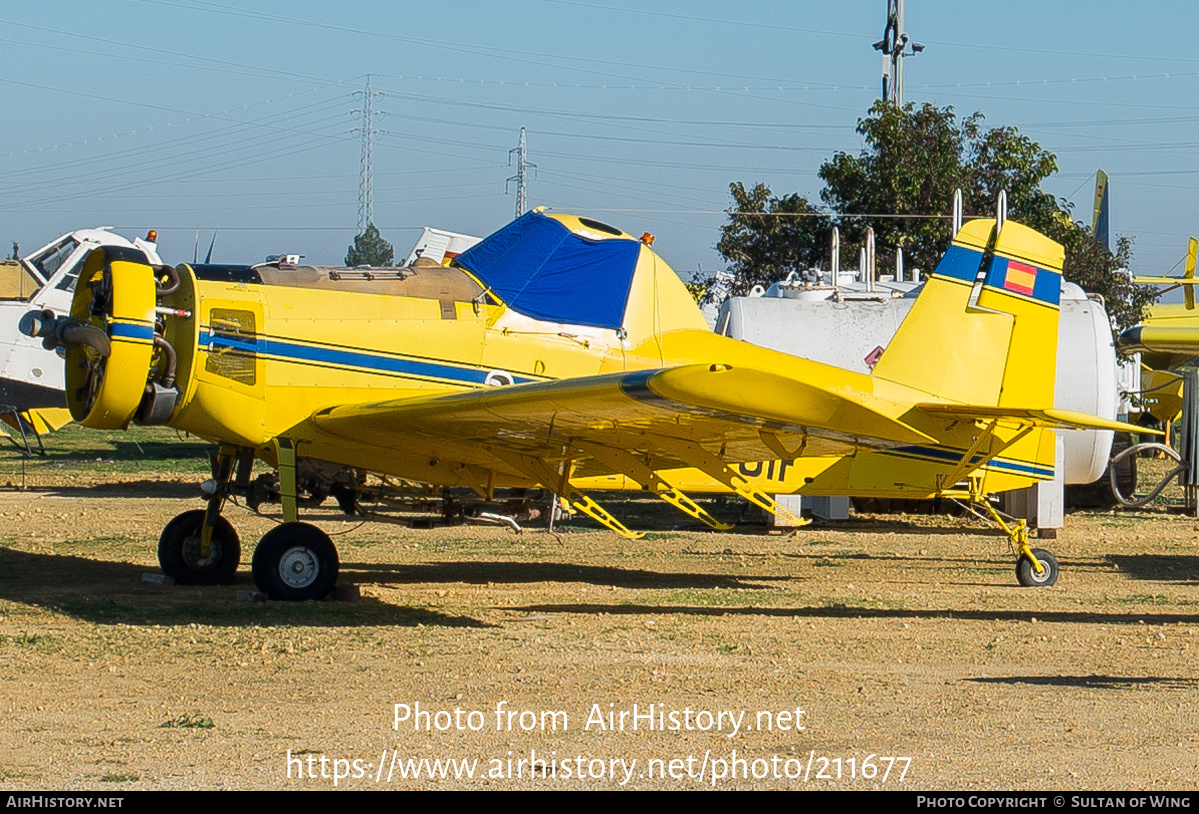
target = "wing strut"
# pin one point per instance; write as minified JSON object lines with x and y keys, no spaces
{"x":967,"y":464}
{"x":637,"y":469}
{"x":547,"y":475}
{"x":711,"y":465}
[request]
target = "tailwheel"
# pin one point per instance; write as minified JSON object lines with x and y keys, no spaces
{"x":295,"y":561}
{"x":181,"y":550}
{"x":1027,"y":558}
{"x":1026,"y":572}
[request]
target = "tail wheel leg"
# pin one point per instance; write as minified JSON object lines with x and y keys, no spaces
{"x":1035,"y":567}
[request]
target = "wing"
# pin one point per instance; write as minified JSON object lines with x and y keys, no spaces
{"x":677,"y":416}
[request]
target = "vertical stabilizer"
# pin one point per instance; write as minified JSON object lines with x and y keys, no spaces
{"x":984,"y":329}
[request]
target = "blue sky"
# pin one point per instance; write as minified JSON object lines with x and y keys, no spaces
{"x":198,"y":115}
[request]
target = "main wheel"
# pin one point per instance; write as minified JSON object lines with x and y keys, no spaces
{"x":294,"y":562}
{"x":1027,"y":574}
{"x":179,"y":551}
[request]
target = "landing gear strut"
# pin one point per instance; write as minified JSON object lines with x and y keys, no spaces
{"x":182,"y":556}
{"x":1035,"y":567}
{"x":294,"y":561}
{"x":199,"y":547}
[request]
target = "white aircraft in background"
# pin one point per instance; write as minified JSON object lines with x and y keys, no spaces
{"x":32,"y":400}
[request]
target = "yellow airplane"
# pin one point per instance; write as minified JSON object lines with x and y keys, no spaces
{"x":1169,"y":336}
{"x":1167,"y":339}
{"x":562,"y":353}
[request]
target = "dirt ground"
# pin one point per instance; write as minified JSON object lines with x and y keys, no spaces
{"x":878,"y":653}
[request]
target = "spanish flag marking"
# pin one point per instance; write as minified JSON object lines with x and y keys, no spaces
{"x":1020,"y":278}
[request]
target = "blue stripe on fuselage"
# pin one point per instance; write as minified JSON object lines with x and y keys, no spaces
{"x":954,"y":456}
{"x":289,"y":351}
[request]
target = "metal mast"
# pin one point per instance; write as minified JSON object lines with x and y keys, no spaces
{"x":522,"y":167}
{"x":893,"y":43}
{"x":366,"y":204}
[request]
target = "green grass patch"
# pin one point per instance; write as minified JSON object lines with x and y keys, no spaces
{"x":1155,"y":599}
{"x":36,"y":641}
{"x":701,"y":596}
{"x":195,"y":721}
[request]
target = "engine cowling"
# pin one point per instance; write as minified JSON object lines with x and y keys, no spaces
{"x":116,"y":294}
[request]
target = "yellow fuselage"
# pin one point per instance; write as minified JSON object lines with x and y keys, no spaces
{"x":257,"y":361}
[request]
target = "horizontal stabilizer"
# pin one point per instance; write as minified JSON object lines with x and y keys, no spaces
{"x":1049,"y":419}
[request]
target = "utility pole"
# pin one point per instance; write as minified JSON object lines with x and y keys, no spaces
{"x":522,"y":167}
{"x":366,"y":204}
{"x":893,"y":43}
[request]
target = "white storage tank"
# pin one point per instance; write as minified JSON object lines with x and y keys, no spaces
{"x":850,"y":326}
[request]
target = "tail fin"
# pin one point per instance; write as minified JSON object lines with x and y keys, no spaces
{"x":984,"y":329}
{"x":1101,"y":217}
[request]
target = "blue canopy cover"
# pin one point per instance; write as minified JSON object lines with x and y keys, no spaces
{"x":538,"y":267}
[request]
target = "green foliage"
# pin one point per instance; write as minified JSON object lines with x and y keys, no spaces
{"x":196,"y":721}
{"x":902,"y":185}
{"x":1093,"y":267}
{"x":912,"y":163}
{"x":370,"y":249}
{"x":768,"y":237}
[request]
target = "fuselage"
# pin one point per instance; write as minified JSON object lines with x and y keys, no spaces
{"x":266,"y":350}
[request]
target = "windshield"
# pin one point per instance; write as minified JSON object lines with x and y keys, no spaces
{"x":48,"y":260}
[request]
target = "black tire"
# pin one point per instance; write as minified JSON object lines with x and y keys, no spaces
{"x":1028,"y":576}
{"x":179,"y":551}
{"x":1098,"y":495}
{"x":294,"y":562}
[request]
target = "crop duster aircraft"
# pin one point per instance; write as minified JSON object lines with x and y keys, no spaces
{"x":1169,"y":336}
{"x":562,"y":353}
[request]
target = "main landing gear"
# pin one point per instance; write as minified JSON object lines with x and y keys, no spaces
{"x":294,"y":561}
{"x":184,"y":554}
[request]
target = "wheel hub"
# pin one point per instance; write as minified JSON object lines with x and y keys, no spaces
{"x":299,"y":567}
{"x":1041,"y":577}
{"x":191,"y":553}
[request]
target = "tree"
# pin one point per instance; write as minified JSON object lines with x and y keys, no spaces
{"x":912,"y":163}
{"x":370,"y":249}
{"x":767,"y":238}
{"x":914,"y":160}
{"x":902,"y":184}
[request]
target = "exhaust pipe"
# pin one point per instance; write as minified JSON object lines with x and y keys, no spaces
{"x":66,"y":332}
